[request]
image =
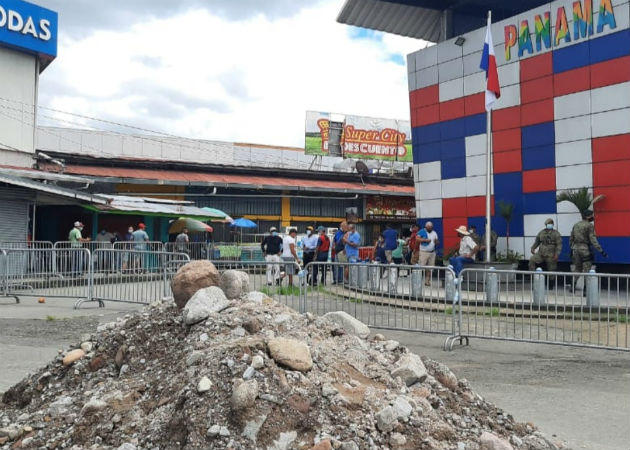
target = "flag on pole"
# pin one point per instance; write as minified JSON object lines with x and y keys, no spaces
{"x":489,"y":64}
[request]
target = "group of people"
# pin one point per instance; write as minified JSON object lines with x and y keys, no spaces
{"x":317,"y":246}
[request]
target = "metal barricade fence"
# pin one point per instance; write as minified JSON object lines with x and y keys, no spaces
{"x":279,"y":280}
{"x":68,"y":277}
{"x":576,"y":309}
{"x":389,"y":296}
{"x":136,"y":277}
{"x":31,"y":262}
{"x":195,"y":250}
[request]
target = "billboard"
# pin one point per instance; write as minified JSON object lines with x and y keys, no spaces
{"x":390,"y":208}
{"x":28,"y":27}
{"x":362,"y":137}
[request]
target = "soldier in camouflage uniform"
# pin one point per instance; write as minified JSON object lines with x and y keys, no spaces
{"x":494,"y":239}
{"x":582,"y":237}
{"x":549,"y":245}
{"x":475,"y":237}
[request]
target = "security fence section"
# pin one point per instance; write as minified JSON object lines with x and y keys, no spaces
{"x":586,"y":310}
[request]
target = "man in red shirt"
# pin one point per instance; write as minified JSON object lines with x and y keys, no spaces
{"x":321,"y":255}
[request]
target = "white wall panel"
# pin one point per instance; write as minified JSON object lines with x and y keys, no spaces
{"x":612,"y":97}
{"x":475,"y":186}
{"x":573,"y":129}
{"x":475,"y":83}
{"x":509,"y":74}
{"x":510,"y":96}
{"x":574,"y":177}
{"x":430,"y":171}
{"x":472,"y":62}
{"x":450,"y":70}
{"x":427,"y":77}
{"x":572,"y":105}
{"x":474,"y":41}
{"x":611,"y":123}
{"x":430,"y":208}
{"x":428,"y":190}
{"x":411,"y":63}
{"x":426,"y":57}
{"x":411,"y":81}
{"x":475,"y":165}
{"x":578,"y":152}
{"x":529,"y":241}
{"x":450,"y":90}
{"x":566,"y":222}
{"x":476,"y":145}
{"x":447,"y":51}
{"x":455,"y":187}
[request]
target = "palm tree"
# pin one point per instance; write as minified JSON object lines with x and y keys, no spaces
{"x":581,"y":198}
{"x":506,"y":210}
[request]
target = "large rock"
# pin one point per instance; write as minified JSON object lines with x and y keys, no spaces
{"x":410,"y":369}
{"x":244,"y":394}
{"x":291,"y":353}
{"x":386,"y":419}
{"x":205,"y":302}
{"x":234,"y":283}
{"x":491,"y":441}
{"x":190,"y":278}
{"x":348,"y":323}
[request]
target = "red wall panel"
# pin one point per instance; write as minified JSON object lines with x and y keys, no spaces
{"x":453,"y":109}
{"x":427,"y":115}
{"x":614,"y":173}
{"x":539,"y":180}
{"x":612,"y":224}
{"x":476,"y":206}
{"x":611,"y":148}
{"x":429,"y":95}
{"x":537,"y":112}
{"x":610,"y":72}
{"x":454,"y":207}
{"x":504,"y":119}
{"x":505,"y":162}
{"x":475,"y":104}
{"x":536,"y":67}
{"x":615,"y":198}
{"x":538,"y":89}
{"x":506,"y":140}
{"x":576,"y":80}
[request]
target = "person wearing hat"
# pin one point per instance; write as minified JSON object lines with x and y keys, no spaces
{"x":581,"y":240}
{"x":76,"y":239}
{"x":321,"y":255}
{"x":467,"y":250}
{"x":549,"y":244}
{"x":272,"y":249}
{"x":309,"y":244}
{"x":140,"y":239}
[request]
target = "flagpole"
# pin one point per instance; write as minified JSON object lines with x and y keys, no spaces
{"x":488,"y":168}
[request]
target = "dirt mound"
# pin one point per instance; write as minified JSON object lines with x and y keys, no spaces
{"x":148,"y":381}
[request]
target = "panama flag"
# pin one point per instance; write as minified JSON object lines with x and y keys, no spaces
{"x":489,"y":64}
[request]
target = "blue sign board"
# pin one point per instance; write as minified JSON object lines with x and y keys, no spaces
{"x":28,"y":27}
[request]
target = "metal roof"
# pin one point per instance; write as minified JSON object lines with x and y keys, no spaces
{"x":52,"y":189}
{"x":192,"y":178}
{"x":118,"y":204}
{"x":423,"y":19}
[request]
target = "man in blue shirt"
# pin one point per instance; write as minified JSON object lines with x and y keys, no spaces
{"x":391,"y":242}
{"x":352,"y":240}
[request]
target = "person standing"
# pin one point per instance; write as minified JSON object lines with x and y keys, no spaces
{"x":429,"y":241}
{"x":378,"y":253}
{"x":467,"y":250}
{"x":581,"y":239}
{"x":549,"y":244}
{"x":414,"y":245}
{"x":140,"y":239}
{"x":340,"y":255}
{"x":272,"y":249}
{"x":105,"y":240}
{"x":128,"y":240}
{"x":321,"y":255}
{"x":289,"y":255}
{"x":309,"y":244}
{"x":76,"y":239}
{"x":352,"y":241}
{"x":472,"y":229}
{"x":391,"y":242}
{"x":397,"y":255}
{"x":181,"y":242}
{"x":494,"y":239}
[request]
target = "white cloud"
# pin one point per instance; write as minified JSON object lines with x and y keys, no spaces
{"x":199,"y":75}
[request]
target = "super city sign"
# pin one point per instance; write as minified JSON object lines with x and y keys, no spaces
{"x":583,"y":27}
{"x":28,"y":27}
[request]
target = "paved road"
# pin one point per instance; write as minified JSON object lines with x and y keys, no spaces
{"x":580,"y":395}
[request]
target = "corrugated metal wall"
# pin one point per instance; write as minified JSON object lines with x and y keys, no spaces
{"x":240,"y":206}
{"x":318,"y":207}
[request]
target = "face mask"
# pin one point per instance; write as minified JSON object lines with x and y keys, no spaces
{"x":308,"y":232}
{"x":274,"y":233}
{"x":130,"y":230}
{"x":549,"y":226}
{"x":471,"y":231}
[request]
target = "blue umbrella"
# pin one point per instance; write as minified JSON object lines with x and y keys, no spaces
{"x":243,"y":223}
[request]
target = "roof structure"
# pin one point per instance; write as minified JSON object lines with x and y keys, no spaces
{"x":431,"y":20}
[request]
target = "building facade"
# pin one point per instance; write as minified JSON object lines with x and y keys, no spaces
{"x":562,"y":123}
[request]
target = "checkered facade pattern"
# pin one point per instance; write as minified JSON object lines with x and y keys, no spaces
{"x":562,"y":122}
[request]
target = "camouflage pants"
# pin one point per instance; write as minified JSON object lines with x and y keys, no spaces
{"x":582,"y":259}
{"x":538,"y":259}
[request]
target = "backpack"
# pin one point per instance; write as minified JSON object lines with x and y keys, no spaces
{"x":339,"y":245}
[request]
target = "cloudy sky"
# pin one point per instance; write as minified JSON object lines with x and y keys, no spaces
{"x":235,"y":70}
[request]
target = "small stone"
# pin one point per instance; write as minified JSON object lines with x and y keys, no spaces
{"x":73,"y":356}
{"x":223,"y":431}
{"x":324,"y":444}
{"x":461,"y":446}
{"x":60,"y":407}
{"x":349,"y":445}
{"x":390,"y":346}
{"x":244,"y":395}
{"x":193,"y":358}
{"x":93,"y":406}
{"x":258,"y":362}
{"x":245,"y":357}
{"x":378,"y":337}
{"x":491,"y":441}
{"x":410,"y":369}
{"x":87,"y":347}
{"x":397,"y":440}
{"x":204,"y":337}
{"x":11,"y":432}
{"x":515,"y":440}
{"x":284,"y":441}
{"x":204,"y":385}
{"x":252,"y":427}
{"x":291,"y":353}
{"x":258,"y":298}
{"x":127,"y":446}
{"x":249,"y":373}
{"x":252,"y":326}
{"x":206,"y":301}
{"x":214,"y":430}
{"x":96,"y":364}
{"x":328,"y":390}
{"x":402,"y":408}
{"x":385,"y":419}
{"x":348,"y":323}
{"x":123,"y":370}
{"x":239,"y":332}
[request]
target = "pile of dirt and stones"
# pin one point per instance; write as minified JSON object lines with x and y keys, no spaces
{"x":240,"y":371}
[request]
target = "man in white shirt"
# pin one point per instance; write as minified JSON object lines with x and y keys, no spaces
{"x":467,"y":250}
{"x":289,"y":255}
{"x":428,"y":242}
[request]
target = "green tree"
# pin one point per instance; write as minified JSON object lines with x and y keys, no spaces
{"x":506,"y":210}
{"x":581,"y":198}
